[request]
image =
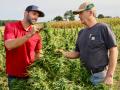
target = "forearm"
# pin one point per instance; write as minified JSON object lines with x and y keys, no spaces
{"x":112,"y":61}
{"x":11,"y":44}
{"x":71,"y":55}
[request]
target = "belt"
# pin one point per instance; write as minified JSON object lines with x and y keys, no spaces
{"x":96,"y":70}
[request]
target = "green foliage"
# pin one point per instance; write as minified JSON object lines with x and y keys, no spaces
{"x":53,"y":71}
{"x":3,"y":22}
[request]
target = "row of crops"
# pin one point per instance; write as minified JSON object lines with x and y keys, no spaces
{"x":53,"y":71}
{"x":76,"y":24}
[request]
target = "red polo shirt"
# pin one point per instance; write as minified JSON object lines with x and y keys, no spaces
{"x":18,"y":59}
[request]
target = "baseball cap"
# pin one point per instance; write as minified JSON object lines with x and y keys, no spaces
{"x":83,"y":7}
{"x":35,"y":8}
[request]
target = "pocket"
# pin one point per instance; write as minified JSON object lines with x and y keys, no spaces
{"x":95,"y":44}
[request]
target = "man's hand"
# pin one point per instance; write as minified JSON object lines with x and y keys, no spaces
{"x":108,"y":80}
{"x":61,"y":51}
{"x":36,"y":28}
{"x":70,"y":55}
{"x":38,"y":54}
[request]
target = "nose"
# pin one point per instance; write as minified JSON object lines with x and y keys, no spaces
{"x":36,"y":16}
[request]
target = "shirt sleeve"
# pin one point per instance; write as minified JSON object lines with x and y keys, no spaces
{"x":9,"y":32}
{"x":39,"y":44}
{"x":76,"y":47}
{"x":109,"y":37}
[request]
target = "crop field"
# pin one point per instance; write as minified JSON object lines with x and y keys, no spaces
{"x":53,"y":71}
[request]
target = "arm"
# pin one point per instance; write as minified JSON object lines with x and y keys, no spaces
{"x":11,"y":42}
{"x":112,"y":61}
{"x":111,"y":45}
{"x":71,"y":55}
{"x":112,"y":65}
{"x":14,"y":43}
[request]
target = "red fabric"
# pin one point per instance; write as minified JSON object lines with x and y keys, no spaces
{"x":18,"y":59}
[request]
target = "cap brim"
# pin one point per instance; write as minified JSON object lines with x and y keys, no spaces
{"x":41,"y":14}
{"x":78,"y":11}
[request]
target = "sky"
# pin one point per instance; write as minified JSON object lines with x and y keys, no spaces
{"x":14,"y":9}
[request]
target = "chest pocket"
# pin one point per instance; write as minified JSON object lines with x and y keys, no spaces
{"x":95,"y":42}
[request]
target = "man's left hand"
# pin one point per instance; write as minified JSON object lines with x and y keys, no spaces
{"x":108,"y":80}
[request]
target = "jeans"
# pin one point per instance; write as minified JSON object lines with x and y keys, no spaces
{"x":98,"y":78}
{"x":11,"y":80}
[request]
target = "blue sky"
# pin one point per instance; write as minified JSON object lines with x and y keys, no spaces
{"x":14,"y":9}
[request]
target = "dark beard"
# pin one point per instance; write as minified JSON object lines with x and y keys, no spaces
{"x":30,"y":21}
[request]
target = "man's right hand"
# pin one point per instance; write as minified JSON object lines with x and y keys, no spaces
{"x":61,"y":51}
{"x":36,"y":28}
{"x":71,"y":55}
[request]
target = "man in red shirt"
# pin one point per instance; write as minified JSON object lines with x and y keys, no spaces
{"x":22,"y":44}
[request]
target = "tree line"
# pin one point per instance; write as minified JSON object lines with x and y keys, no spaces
{"x":3,"y":22}
{"x":69,"y":16}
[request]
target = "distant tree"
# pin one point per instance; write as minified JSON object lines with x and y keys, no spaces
{"x":108,"y":16}
{"x":58,"y":18}
{"x":68,"y":15}
{"x":101,"y":16}
{"x":3,"y":22}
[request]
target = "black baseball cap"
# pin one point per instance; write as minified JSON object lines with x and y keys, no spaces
{"x":35,"y":8}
